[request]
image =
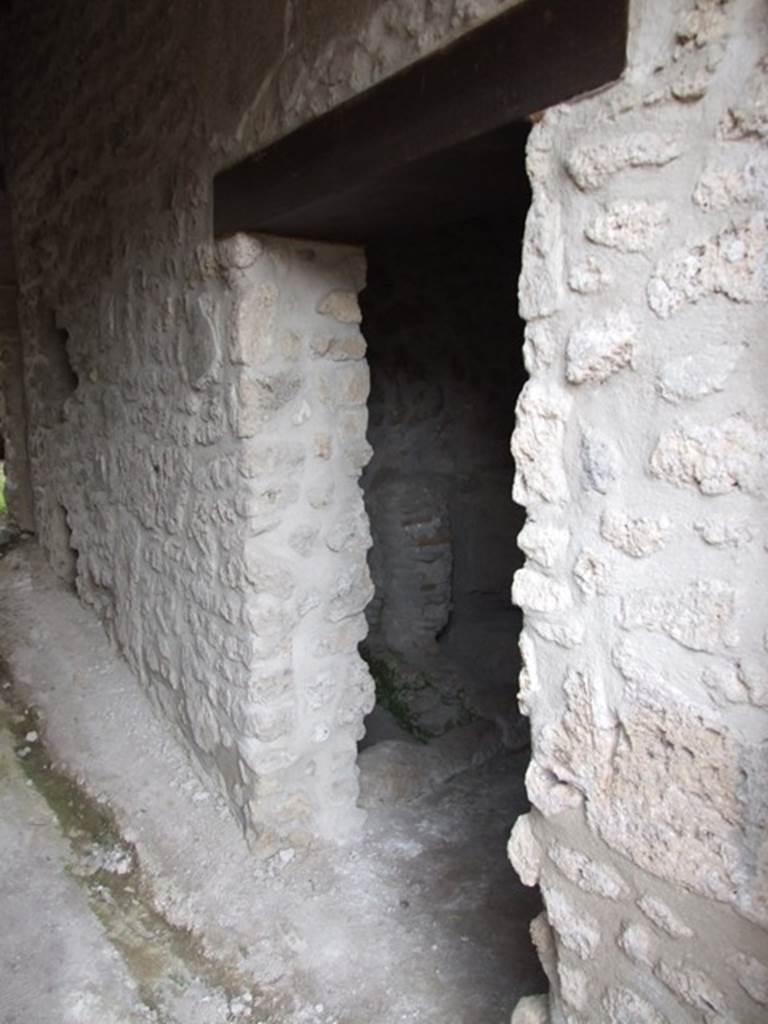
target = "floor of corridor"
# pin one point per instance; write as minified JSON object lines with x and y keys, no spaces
{"x":122,"y":905}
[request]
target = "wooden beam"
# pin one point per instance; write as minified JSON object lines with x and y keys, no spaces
{"x":539,"y":53}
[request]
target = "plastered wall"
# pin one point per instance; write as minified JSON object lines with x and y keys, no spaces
{"x":640,"y":448}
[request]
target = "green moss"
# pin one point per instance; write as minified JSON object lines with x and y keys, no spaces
{"x":400,"y":689}
{"x":392,"y":690}
{"x":161,"y":956}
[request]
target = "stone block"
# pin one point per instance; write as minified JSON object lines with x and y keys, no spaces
{"x":541,"y":286}
{"x":593,"y":877}
{"x":576,"y":929}
{"x":593,"y":163}
{"x":636,"y":536}
{"x":629,"y":225}
{"x":664,"y":917}
{"x":531,"y":1010}
{"x":599,"y":348}
{"x":537,"y":445}
{"x":533,"y":591}
{"x":731,"y":263}
{"x":716,"y":458}
{"x":341,"y":306}
{"x":623,"y":1006}
{"x":524,"y":852}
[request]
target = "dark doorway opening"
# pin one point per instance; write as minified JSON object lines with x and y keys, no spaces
{"x":446,"y":748}
{"x":445,"y":352}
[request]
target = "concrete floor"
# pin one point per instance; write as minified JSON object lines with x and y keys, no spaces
{"x":121,"y":905}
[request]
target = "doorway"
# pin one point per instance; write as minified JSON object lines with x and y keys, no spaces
{"x":427,"y":173}
{"x":445,"y":750}
{"x":445,"y":352}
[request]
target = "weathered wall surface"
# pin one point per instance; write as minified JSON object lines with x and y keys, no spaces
{"x":136,"y":376}
{"x":12,"y":411}
{"x":641,"y":456}
{"x":229,"y":558}
{"x":205,"y":503}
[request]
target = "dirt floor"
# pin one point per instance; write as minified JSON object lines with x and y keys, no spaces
{"x":128,"y":894}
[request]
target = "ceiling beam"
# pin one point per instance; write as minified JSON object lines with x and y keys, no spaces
{"x":536,"y":54}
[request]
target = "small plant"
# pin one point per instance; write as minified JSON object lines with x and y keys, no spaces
{"x":3,"y":508}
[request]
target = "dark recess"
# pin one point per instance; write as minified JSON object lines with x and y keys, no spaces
{"x":435,"y":143}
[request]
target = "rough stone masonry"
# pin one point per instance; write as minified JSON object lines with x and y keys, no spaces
{"x":194,"y":423}
{"x":640,"y":445}
{"x":194,"y":414}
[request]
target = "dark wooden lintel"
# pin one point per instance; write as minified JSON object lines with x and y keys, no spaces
{"x":324,"y":178}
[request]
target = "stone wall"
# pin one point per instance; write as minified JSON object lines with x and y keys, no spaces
{"x":641,"y":457}
{"x":228,"y":561}
{"x":137,"y":390}
{"x":640,"y":447}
